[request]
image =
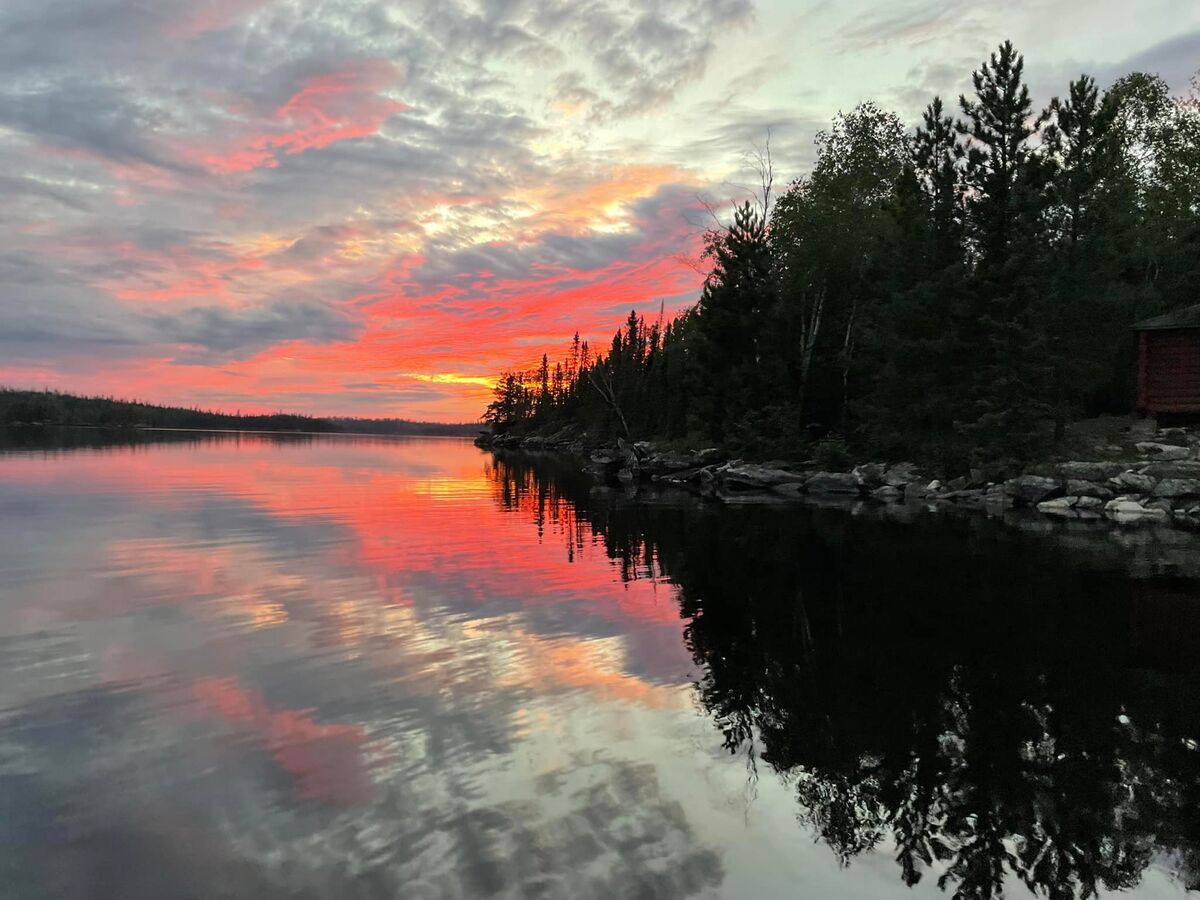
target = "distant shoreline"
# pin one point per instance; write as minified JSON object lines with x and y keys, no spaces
{"x":264,"y":431}
{"x":51,"y":408}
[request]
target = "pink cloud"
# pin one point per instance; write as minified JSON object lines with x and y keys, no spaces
{"x":334,"y":106}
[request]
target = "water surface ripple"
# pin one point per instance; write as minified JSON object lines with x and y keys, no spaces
{"x":325,"y":667}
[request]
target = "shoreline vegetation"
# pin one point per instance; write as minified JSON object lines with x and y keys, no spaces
{"x":957,"y":299}
{"x":50,"y":408}
{"x":1152,"y":483}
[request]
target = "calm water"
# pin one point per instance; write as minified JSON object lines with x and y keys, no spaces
{"x":361,"y":668}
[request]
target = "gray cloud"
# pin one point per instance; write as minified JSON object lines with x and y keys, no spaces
{"x":231,"y":332}
{"x":48,"y":312}
{"x":1177,"y":60}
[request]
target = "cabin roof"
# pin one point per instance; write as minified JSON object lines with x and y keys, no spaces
{"x":1186,"y":317}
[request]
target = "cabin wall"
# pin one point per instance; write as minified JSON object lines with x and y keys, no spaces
{"x":1169,"y":371}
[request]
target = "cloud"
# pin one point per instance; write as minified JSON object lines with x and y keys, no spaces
{"x":914,"y":23}
{"x":216,"y":331}
{"x":338,"y":105}
{"x":1176,"y":59}
{"x":303,"y":194}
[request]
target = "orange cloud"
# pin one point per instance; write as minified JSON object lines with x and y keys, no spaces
{"x":335,"y":106}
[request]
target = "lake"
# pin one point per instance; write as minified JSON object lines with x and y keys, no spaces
{"x":333,"y":667}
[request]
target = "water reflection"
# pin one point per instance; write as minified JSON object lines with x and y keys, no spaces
{"x":355,"y":667}
{"x":258,"y":668}
{"x":994,"y":706}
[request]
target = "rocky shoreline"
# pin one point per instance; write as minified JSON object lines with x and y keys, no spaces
{"x":1163,"y":487}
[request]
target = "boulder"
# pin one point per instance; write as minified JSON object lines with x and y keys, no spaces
{"x":1093,"y":503}
{"x":869,"y":475}
{"x":1163,"y":451}
{"x":627,"y":475}
{"x":1080,"y":488}
{"x":967,"y":497}
{"x":709,"y":456}
{"x":669,"y":461}
{"x":1029,"y":490}
{"x":1058,"y":506}
{"x":832,"y":483}
{"x":1177,"y":487}
{"x":887,"y":494}
{"x":901,"y":475}
{"x":1176,"y":469}
{"x":684,"y":476}
{"x":752,"y":477}
{"x":1127,"y":511}
{"x":1091,"y":471}
{"x":1135,"y":481}
{"x":996,"y":495}
{"x":627,"y":450}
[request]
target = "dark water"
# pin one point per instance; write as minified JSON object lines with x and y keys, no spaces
{"x":367,"y":668}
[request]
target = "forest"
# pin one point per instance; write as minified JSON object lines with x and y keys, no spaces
{"x":956,"y":293}
{"x":54,"y":408}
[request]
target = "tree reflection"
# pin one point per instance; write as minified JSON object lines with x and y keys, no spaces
{"x":993,"y":707}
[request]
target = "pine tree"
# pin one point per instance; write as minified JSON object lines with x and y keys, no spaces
{"x":731,"y":314}
{"x":1005,"y":183}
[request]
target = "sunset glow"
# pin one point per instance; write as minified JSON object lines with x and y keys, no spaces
{"x":365,"y":208}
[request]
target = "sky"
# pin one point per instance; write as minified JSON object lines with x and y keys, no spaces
{"x":358,"y":207}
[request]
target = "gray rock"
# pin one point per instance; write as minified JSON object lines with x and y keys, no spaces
{"x":869,"y":475}
{"x":914,"y":491}
{"x":1135,"y":481}
{"x":709,"y":456}
{"x":967,"y":496}
{"x":1080,"y":488}
{"x":684,"y":476}
{"x":887,"y":494}
{"x":1177,"y":487}
{"x":832,"y":483}
{"x":901,"y":475}
{"x":1091,"y":471}
{"x":957,"y":484}
{"x":1030,"y":490}
{"x":1163,"y":451}
{"x":1125,"y":511}
{"x":1179,"y":469}
{"x":669,"y":461}
{"x":1058,"y":505}
{"x":752,"y":477}
{"x":627,"y":450}
{"x":1090,"y":503}
{"x":627,"y":475}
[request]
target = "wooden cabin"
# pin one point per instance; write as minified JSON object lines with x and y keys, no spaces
{"x":1169,"y":364}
